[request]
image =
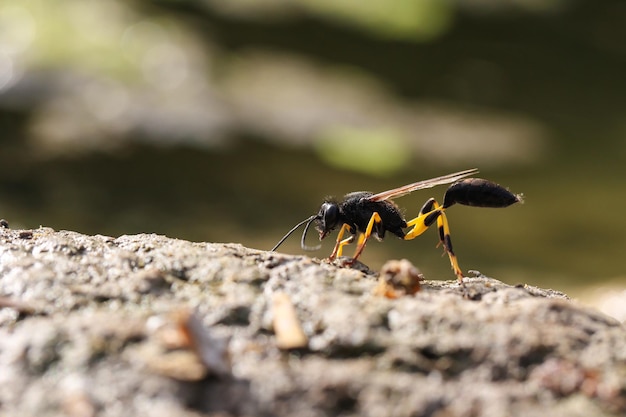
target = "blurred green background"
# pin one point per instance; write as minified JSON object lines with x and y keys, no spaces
{"x":230,"y":121}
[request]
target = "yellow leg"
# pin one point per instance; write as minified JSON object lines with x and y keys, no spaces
{"x":338,"y":250}
{"x":424,"y":220}
{"x":421,"y":223}
{"x":444,"y":236}
{"x":364,"y":236}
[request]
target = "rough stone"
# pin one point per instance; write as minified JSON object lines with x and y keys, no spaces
{"x":149,"y":325}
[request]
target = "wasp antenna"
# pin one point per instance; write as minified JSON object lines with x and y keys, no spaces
{"x":306,"y":229}
{"x":309,"y":220}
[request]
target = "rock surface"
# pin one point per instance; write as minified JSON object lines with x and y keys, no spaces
{"x":148,"y":325}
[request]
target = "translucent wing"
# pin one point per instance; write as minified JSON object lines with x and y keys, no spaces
{"x":420,"y":185}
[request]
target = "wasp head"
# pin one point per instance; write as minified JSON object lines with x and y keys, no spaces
{"x":327,"y":219}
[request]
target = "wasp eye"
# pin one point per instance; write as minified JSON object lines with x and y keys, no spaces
{"x":329,"y":214}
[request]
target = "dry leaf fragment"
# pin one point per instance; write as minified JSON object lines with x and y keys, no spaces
{"x":185,"y":348}
{"x":398,"y":278}
{"x":289,"y":333}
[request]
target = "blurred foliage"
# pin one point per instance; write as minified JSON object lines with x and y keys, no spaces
{"x":368,"y":151}
{"x":400,"y":19}
{"x":231,"y":120}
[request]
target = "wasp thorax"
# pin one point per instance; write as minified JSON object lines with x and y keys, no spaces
{"x":327,"y":218}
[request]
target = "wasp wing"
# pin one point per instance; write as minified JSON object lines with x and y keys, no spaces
{"x":420,"y":185}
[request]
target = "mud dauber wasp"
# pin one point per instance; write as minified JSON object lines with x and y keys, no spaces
{"x":370,"y":214}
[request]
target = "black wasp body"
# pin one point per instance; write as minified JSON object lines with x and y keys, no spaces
{"x":356,"y":210}
{"x":366,"y":214}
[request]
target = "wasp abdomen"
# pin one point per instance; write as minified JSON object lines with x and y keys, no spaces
{"x":479,"y":193}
